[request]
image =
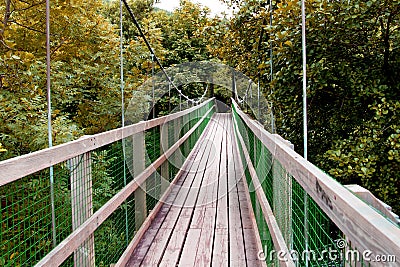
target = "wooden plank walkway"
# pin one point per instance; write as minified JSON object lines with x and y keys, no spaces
{"x":206,"y":219}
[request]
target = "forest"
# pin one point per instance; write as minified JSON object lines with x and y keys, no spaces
{"x":353,"y":53}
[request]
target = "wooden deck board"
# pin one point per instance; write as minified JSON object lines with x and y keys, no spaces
{"x":180,"y":216}
{"x":221,"y":247}
{"x":221,"y":233}
{"x":236,"y":240}
{"x":185,"y":202}
{"x":169,"y":213}
{"x":205,"y":220}
{"x":207,"y":208}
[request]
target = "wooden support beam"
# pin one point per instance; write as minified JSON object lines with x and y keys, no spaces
{"x":370,"y":199}
{"x":179,"y":159}
{"x":138,"y":141}
{"x":82,"y":205}
{"x":164,"y":145}
{"x":186,"y":145}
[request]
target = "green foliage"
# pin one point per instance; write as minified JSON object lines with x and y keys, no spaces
{"x":83,"y":45}
{"x":183,"y":35}
{"x":85,"y":66}
{"x":370,"y":156}
{"x":353,"y":63}
{"x":103,"y":180}
{"x":176,"y":37}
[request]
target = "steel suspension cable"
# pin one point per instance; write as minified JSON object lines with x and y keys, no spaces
{"x":49,"y":124}
{"x":123,"y":111}
{"x":153,"y":87}
{"x":271,"y":51}
{"x":304,"y":49}
{"x":121,"y":37}
{"x":240,"y":101}
{"x":153,"y":53}
{"x":271,"y":56}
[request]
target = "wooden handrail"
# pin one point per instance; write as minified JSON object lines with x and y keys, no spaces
{"x":374,"y":202}
{"x":363,"y":226}
{"x":19,"y":167}
{"x":60,"y":253}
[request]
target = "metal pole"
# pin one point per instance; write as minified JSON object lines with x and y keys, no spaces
{"x":169,"y":97}
{"x":234,"y":86}
{"x":153,"y":87}
{"x":123,"y":113}
{"x":271,"y":55}
{"x":122,"y":65}
{"x":251,"y":95}
{"x":258,"y":98}
{"x":180,"y":102}
{"x":272,"y":119}
{"x":49,"y":127}
{"x":271,"y":63}
{"x":304,"y":79}
{"x":304,"y":48}
{"x":236,"y":92}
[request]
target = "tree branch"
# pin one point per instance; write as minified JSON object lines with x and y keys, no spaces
{"x":32,"y":5}
{"x":6,"y":18}
{"x":387,"y":43}
{"x":5,"y":45}
{"x":58,"y":47}
{"x":29,"y":28}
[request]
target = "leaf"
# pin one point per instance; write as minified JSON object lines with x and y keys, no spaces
{"x":2,"y":149}
{"x":364,"y":170}
{"x":15,"y":254}
{"x":289,"y":43}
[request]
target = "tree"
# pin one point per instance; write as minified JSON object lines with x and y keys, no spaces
{"x":83,"y":45}
{"x":183,"y":35}
{"x":353,"y":66}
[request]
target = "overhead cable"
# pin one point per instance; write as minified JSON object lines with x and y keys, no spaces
{"x":154,"y":55}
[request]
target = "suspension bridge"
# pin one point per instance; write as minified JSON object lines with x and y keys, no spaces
{"x":200,"y":188}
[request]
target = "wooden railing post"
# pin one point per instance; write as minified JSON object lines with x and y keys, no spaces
{"x":164,"y":146}
{"x":282,"y":196}
{"x":258,"y":167}
{"x":138,"y":167}
{"x":82,"y":205}
{"x":186,"y":145}
{"x":178,"y":158}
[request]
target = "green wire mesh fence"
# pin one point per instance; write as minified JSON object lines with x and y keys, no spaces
{"x":83,"y":184}
{"x":311,"y":237}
